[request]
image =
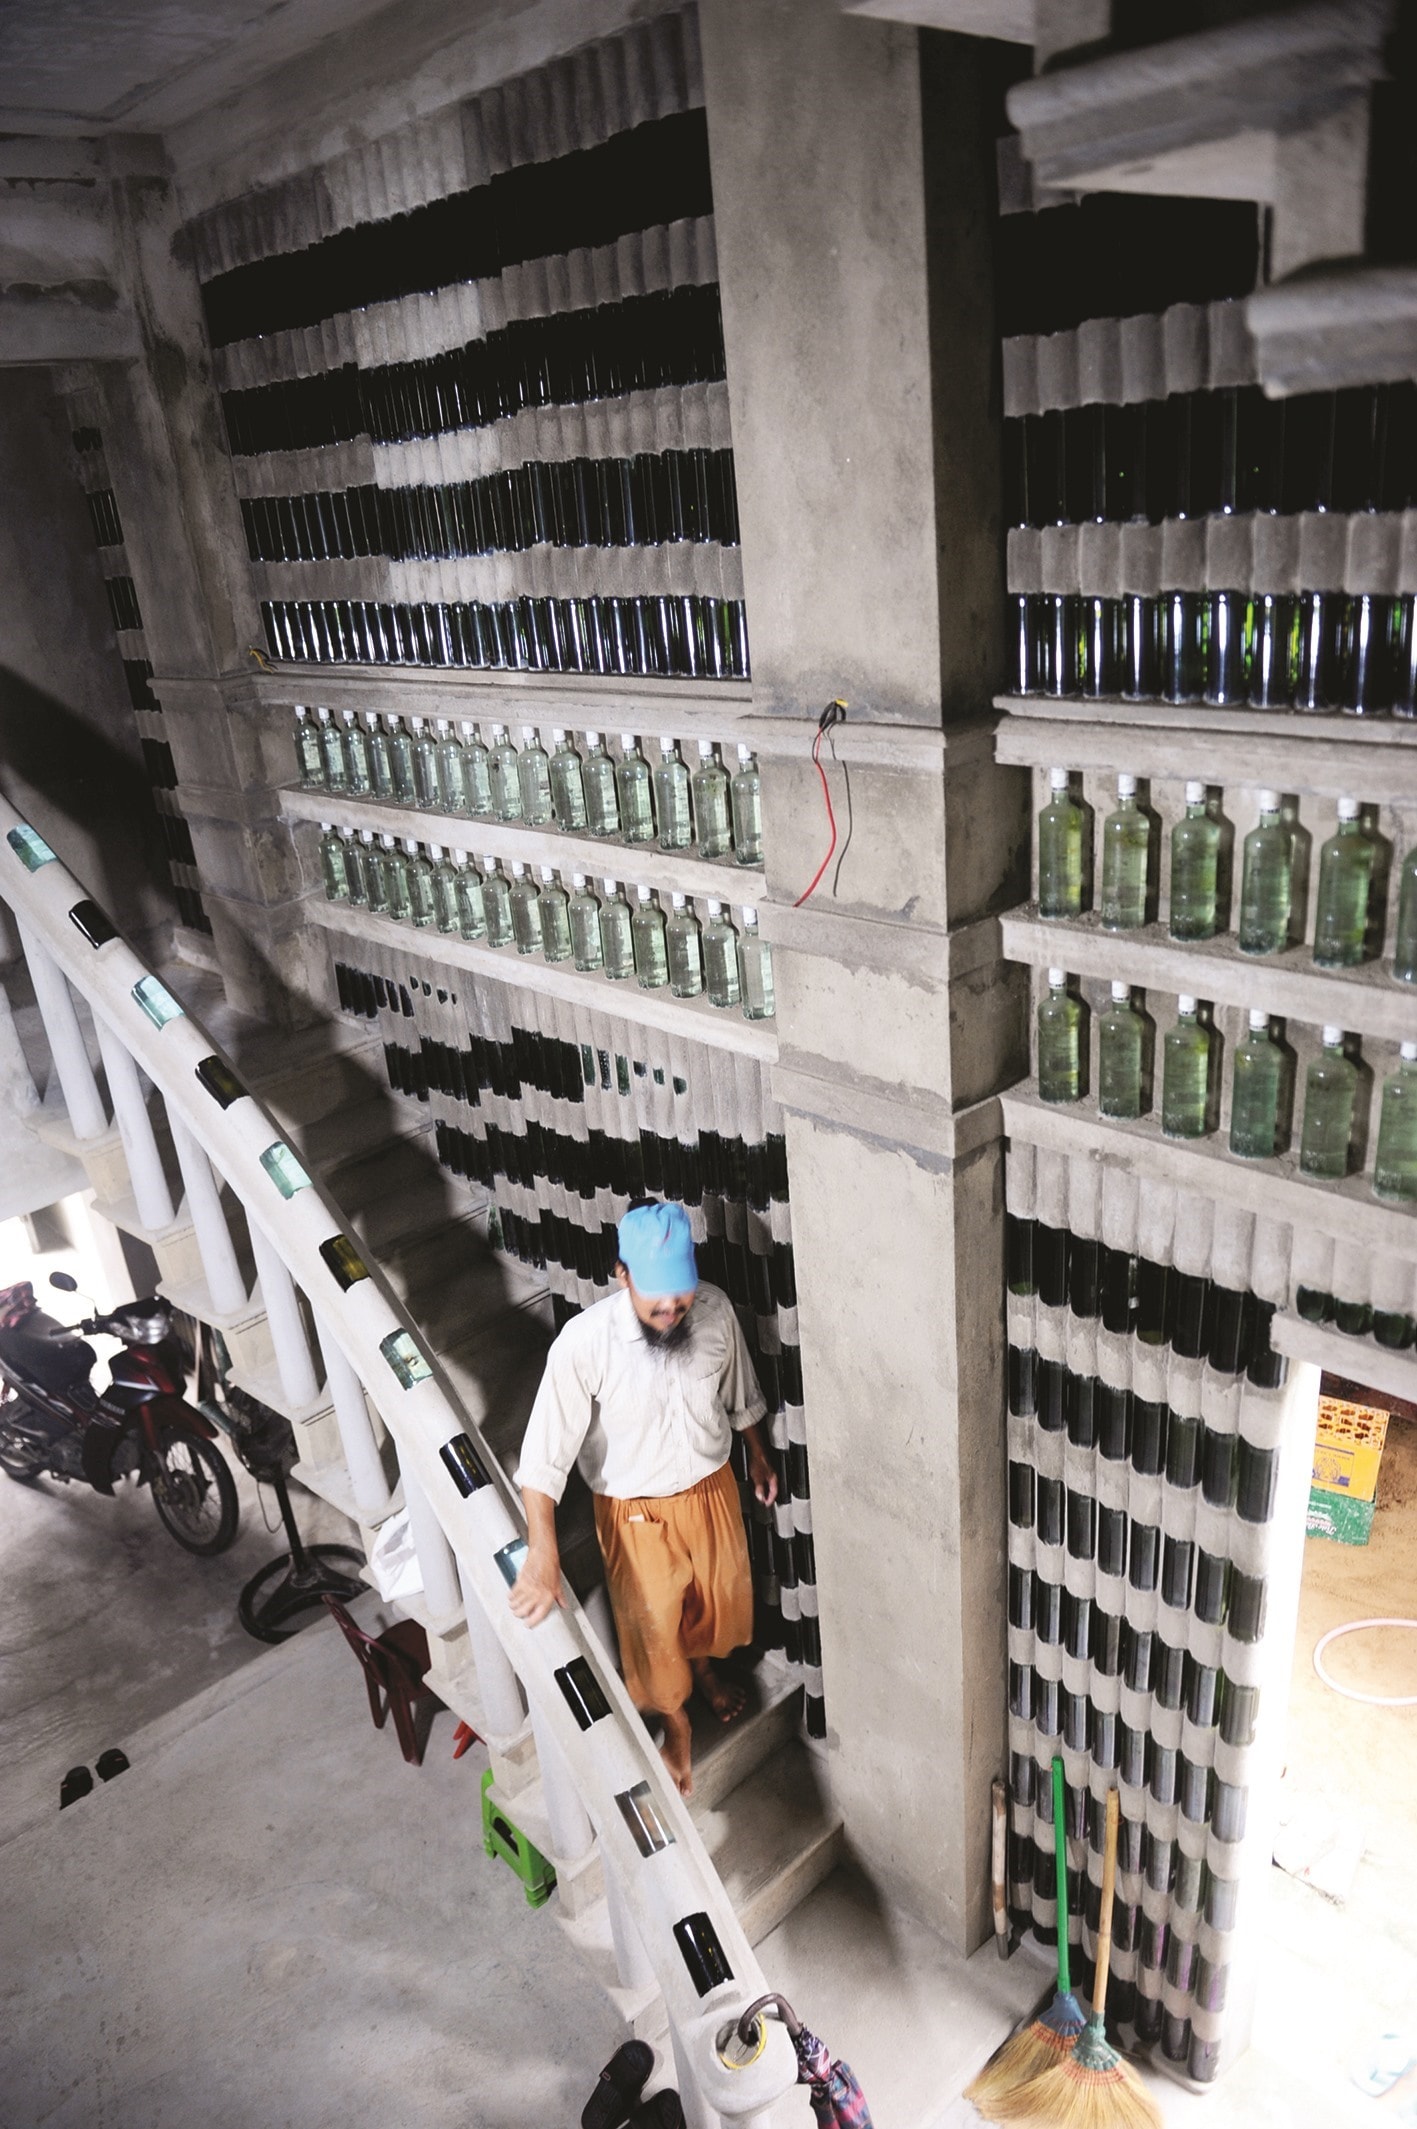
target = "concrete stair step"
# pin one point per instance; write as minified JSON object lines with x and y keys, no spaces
{"x":726,"y":1754}
{"x":774,"y":1838}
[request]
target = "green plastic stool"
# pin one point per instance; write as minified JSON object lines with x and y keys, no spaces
{"x":501,"y":1837}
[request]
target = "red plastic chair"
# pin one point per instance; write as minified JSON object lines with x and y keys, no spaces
{"x":394,"y":1664}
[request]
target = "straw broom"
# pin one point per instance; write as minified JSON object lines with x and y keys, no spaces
{"x":1092,"y":2088}
{"x":1039,"y":2047}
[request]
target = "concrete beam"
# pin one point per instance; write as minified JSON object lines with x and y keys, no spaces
{"x":76,"y":321}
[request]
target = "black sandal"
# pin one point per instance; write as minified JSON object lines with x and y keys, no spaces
{"x":620,"y":2085}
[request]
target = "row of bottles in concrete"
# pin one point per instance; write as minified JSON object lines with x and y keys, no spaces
{"x":438,"y":890}
{"x":614,"y":797}
{"x":1262,"y":1082}
{"x":1347,"y":919}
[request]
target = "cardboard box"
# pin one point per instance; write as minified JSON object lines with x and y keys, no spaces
{"x":1349,"y":1448}
{"x":1335,"y":1515}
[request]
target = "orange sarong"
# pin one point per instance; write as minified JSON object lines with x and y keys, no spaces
{"x":680,"y":1584}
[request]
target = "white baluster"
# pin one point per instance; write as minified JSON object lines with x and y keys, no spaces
{"x":632,"y":1962}
{"x":697,"y":2112}
{"x":356,"y":1432}
{"x":435,"y":1554}
{"x":66,"y":1044}
{"x":571,"y":1829}
{"x":282,"y":1305}
{"x":225,"y":1286}
{"x":498,"y":1687}
{"x":150,"y":1192}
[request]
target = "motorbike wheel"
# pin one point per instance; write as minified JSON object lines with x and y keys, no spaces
{"x":19,"y":1464}
{"x":194,"y":1493}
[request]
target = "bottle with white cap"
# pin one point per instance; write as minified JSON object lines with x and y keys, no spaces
{"x":617,"y":934}
{"x":472,"y":915}
{"x":422,"y":909}
{"x":376,"y":880}
{"x":401,"y":757}
{"x":1330,"y":1100}
{"x":1404,"y":953}
{"x":381,"y":758}
{"x":1267,"y":882}
{"x":452,"y":769}
{"x":1345,"y":886}
{"x":502,"y":771}
{"x":584,"y":914}
{"x":1195,"y":867}
{"x":755,"y":970}
{"x":1062,"y":1048}
{"x":356,"y":866}
{"x":309,"y":754}
{"x":552,"y":908}
{"x":567,"y":785}
{"x":427,"y":782}
{"x":1256,"y":1090}
{"x":534,"y":776}
{"x":651,"y":954}
{"x":720,"y":946}
{"x":1126,"y":848}
{"x":526,"y":917}
{"x":746,"y":801}
{"x":1121,"y":1056}
{"x":332,"y":753}
{"x":684,"y":944}
{"x":496,"y":904}
{"x":671,"y":798}
{"x":477,"y":773}
{"x":332,"y":863}
{"x":713,"y":817}
{"x":1395,"y":1168}
{"x":632,"y":788}
{"x":393,"y":866}
{"x":1185,"y":1074}
{"x":356,"y":754}
{"x":445,"y":890}
{"x":1061,"y":851}
{"x":602,"y":804}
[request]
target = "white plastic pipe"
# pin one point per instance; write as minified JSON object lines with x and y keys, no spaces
{"x":226,"y":1288}
{"x":435,"y":1554}
{"x":87,"y":1118}
{"x":498,"y":1687}
{"x":282,"y":1305}
{"x":356,"y":1431}
{"x":150,"y":1192}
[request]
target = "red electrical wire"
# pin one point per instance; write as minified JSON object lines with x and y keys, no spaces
{"x":831,"y":814}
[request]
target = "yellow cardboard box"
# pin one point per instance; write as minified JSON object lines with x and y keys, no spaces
{"x":1349,"y":1448}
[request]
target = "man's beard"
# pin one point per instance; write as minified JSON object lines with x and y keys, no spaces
{"x":666,"y":1341}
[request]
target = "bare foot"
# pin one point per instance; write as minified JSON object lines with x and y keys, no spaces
{"x":726,"y":1699}
{"x":675,"y":1752}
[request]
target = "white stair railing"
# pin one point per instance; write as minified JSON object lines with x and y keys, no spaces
{"x":601,"y":1776}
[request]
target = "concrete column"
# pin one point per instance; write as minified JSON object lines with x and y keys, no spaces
{"x":225,"y":1285}
{"x":282,"y":1305}
{"x":435,"y":1554}
{"x":498,"y":1687}
{"x":130,"y":1111}
{"x":356,"y":1431}
{"x":87,"y":1118}
{"x":571,"y":1831}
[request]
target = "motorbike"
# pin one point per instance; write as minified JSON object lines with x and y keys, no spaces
{"x":53,"y":1422}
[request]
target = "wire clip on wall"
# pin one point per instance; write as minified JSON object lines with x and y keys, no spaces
{"x":833,"y":714}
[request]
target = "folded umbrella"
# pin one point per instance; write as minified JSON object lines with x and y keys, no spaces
{"x":837,"y":2100}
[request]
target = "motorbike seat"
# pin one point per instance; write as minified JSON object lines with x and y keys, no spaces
{"x":54,"y":1363}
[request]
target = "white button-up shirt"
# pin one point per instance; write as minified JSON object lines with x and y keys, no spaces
{"x":642,"y":1421}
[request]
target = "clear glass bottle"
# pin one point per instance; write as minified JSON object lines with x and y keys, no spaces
{"x":671,"y":798}
{"x":651,"y":954}
{"x":746,"y":800}
{"x":477,"y":773}
{"x":534,"y":776}
{"x":376,"y":879}
{"x":356,"y":866}
{"x":1257,"y":1081}
{"x":1345,"y":881}
{"x":356,"y":755}
{"x":497,"y":904}
{"x":309,"y":754}
{"x":506,"y":784}
{"x":394,"y":868}
{"x":332,"y":863}
{"x":755,"y":970}
{"x":584,"y":914}
{"x":684,"y":942}
{"x":401,"y":759}
{"x":617,"y":937}
{"x":1126,"y":845}
{"x":1330,"y":1097}
{"x":602,"y":803}
{"x":1404,"y":958}
{"x":553,"y":910}
{"x":568,"y":798}
{"x":427,"y":783}
{"x":422,"y":909}
{"x":445,"y":889}
{"x":1185,"y":1075}
{"x":452,"y":770}
{"x":1060,"y":853}
{"x":720,"y":949}
{"x":1267,"y":882}
{"x":472,"y":914}
{"x":526,"y":917}
{"x":713,"y":814}
{"x":332,"y":752}
{"x":381,"y":758}
{"x":1121,"y":1052}
{"x":632,"y":788}
{"x":1195,"y":857}
{"x":1395,"y":1168}
{"x":1062,"y":1064}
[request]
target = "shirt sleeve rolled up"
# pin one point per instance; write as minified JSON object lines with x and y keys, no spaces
{"x":560,"y":1420}
{"x":738,"y":1387}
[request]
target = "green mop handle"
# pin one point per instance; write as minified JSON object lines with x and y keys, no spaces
{"x":1060,"y":1851}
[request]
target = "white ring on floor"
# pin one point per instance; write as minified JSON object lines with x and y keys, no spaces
{"x":1370,"y":1700}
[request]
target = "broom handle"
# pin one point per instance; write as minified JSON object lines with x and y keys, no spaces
{"x":1060,"y":1858}
{"x":998,"y":1858}
{"x":1103,"y":1959}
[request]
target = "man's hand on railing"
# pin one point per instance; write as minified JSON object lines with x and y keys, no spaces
{"x":537,"y":1590}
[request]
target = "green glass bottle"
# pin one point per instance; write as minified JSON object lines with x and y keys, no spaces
{"x":651,"y":953}
{"x":720,"y":944}
{"x":602,"y":804}
{"x":1185,"y":1074}
{"x":309,"y":755}
{"x":502,"y":771}
{"x":755,"y":970}
{"x":1345,"y":881}
{"x":526,"y":918}
{"x":671,"y":798}
{"x":1256,"y":1084}
{"x":1126,"y":844}
{"x":553,"y":909}
{"x":427,"y":783}
{"x":477,"y":770}
{"x":746,"y":802}
{"x":375,"y":874}
{"x":1267,"y":882}
{"x":1062,"y":1066}
{"x":713,"y":816}
{"x":1330,"y":1098}
{"x":496,"y":903}
{"x":1395,"y":1168}
{"x":422,"y":910}
{"x":1060,"y":853}
{"x":332,"y":752}
{"x":567,"y":785}
{"x":684,"y":943}
{"x":394,"y":866}
{"x":401,"y":757}
{"x":1121,"y":1049}
{"x":632,"y":788}
{"x":1404,"y":959}
{"x":445,"y":890}
{"x":356,"y":755}
{"x":534,"y":776}
{"x":332,"y":863}
{"x":452,"y":770}
{"x":381,"y":759}
{"x":617,"y":937}
{"x":356,"y":865}
{"x":472,"y":915}
{"x":1195,"y":855}
{"x":586,"y":949}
